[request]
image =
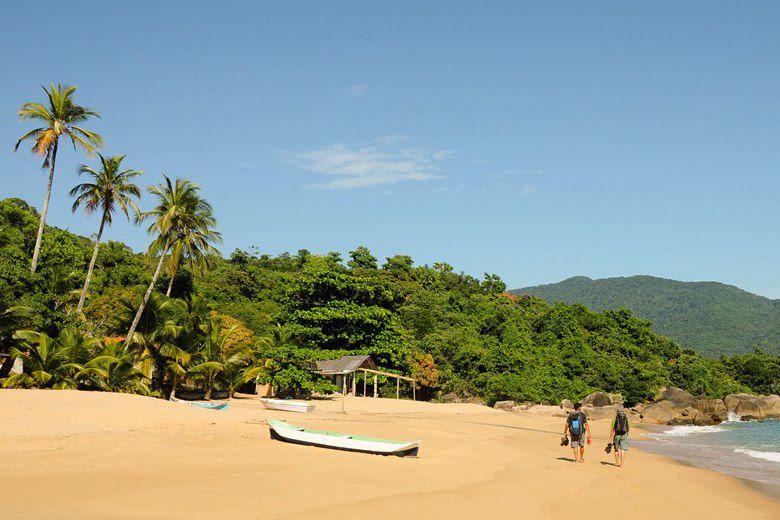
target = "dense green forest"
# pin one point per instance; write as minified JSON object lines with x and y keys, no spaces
{"x":258,"y":317}
{"x":709,"y":317}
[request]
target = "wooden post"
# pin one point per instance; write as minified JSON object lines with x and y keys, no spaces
{"x":365,"y":376}
{"x":343,"y":391}
{"x":397,"y":387}
{"x":414,"y":390}
{"x":374,"y":385}
{"x":353,"y":383}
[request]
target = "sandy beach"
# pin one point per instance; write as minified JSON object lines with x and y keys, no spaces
{"x":69,"y":454}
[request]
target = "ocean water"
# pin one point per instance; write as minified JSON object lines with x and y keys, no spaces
{"x":747,"y":450}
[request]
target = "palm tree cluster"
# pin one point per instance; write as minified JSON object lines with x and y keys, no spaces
{"x":177,"y":342}
{"x":182,"y":226}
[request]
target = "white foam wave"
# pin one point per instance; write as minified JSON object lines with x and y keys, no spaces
{"x":682,"y":431}
{"x":733,"y":417}
{"x":766,"y":455}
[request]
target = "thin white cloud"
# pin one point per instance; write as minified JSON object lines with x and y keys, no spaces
{"x":356,"y":90}
{"x":353,"y":167}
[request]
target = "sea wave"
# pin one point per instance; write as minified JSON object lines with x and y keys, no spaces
{"x":682,"y":431}
{"x":766,"y":455}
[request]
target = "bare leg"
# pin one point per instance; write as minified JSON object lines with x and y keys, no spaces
{"x":576,"y":458}
{"x":622,"y":458}
{"x":582,"y":454}
{"x":617,"y":456}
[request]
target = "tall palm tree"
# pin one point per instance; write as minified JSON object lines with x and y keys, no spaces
{"x":180,"y":212}
{"x":194,"y":247}
{"x":110,"y":187}
{"x":61,"y":117}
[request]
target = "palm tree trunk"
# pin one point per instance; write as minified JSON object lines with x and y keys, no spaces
{"x":91,"y":265}
{"x":170,"y":283}
{"x":146,"y":296}
{"x":173,"y":388}
{"x":42,"y":221}
{"x":208,"y":388}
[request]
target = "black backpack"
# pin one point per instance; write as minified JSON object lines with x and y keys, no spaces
{"x":621,"y":424}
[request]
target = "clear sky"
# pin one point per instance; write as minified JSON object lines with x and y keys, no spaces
{"x":534,"y":140}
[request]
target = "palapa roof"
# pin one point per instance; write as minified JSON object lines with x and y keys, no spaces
{"x":343,"y":365}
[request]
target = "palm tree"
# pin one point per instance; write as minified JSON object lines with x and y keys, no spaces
{"x":48,"y":361}
{"x":154,"y":343}
{"x":180,"y":212}
{"x":113,"y":370}
{"x":194,"y":246}
{"x":61,"y":117}
{"x":217,"y":356}
{"x":110,"y":186}
{"x":10,"y":319}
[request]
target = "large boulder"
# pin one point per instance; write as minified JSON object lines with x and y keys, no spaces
{"x":770,"y":405}
{"x":596,"y":399}
{"x":762,"y":407}
{"x":678,"y":397}
{"x":661,"y":412}
{"x":505,"y":405}
{"x":567,"y":404}
{"x":743,"y":404}
{"x":449,"y":398}
{"x":547,"y":410}
{"x":601,"y":412}
{"x":712,"y":410}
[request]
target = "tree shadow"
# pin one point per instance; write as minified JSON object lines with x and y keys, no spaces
{"x":566,"y":459}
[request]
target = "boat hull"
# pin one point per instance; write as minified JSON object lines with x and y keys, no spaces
{"x":282,"y":431}
{"x":287,"y":406}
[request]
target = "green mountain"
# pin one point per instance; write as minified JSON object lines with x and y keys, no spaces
{"x":709,"y":317}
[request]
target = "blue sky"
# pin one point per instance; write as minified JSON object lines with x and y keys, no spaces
{"x":533,"y":140}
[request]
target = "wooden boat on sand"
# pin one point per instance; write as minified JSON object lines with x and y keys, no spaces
{"x":210,"y":406}
{"x":287,"y":406}
{"x":283,"y":431}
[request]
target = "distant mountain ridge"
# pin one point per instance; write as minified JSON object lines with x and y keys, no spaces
{"x":710,"y":317}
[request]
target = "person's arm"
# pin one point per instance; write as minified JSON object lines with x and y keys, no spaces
{"x":587,"y":428}
{"x":566,"y":428}
{"x":612,"y":431}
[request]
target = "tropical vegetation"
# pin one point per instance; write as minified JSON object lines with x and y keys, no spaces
{"x":181,"y":318}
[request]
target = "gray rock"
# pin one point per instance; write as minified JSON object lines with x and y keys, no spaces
{"x":596,"y":413}
{"x":597,"y":399}
{"x":505,"y":405}
{"x":567,"y":404}
{"x":678,"y":397}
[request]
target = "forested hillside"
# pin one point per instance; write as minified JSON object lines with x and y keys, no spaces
{"x":453,"y":332}
{"x":709,"y":317}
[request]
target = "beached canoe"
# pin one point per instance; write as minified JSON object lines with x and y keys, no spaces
{"x":287,"y":406}
{"x":283,"y":431}
{"x":209,"y":406}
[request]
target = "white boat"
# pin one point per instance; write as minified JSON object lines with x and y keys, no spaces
{"x":287,"y":406}
{"x":284,"y":431}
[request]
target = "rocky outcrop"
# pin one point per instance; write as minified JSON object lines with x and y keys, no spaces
{"x":601,"y":412}
{"x":676,"y":406}
{"x":546,"y":410}
{"x":677,"y":397}
{"x":596,"y":399}
{"x":567,"y":404}
{"x":758,"y":406}
{"x":505,"y":405}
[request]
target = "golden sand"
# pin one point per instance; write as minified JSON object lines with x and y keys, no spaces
{"x":69,"y":454}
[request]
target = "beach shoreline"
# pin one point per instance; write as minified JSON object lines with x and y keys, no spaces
{"x":86,"y":452}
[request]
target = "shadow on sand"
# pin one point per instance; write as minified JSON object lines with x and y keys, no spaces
{"x":566,"y":459}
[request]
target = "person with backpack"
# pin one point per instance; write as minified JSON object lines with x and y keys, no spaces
{"x":618,"y":437}
{"x":578,"y":429}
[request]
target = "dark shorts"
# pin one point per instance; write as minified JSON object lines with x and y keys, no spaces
{"x":577,"y":442}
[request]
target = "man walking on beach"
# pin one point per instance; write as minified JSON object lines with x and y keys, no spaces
{"x":618,"y":437}
{"x":576,"y":427}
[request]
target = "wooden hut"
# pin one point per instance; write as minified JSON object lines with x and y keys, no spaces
{"x":345,"y":368}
